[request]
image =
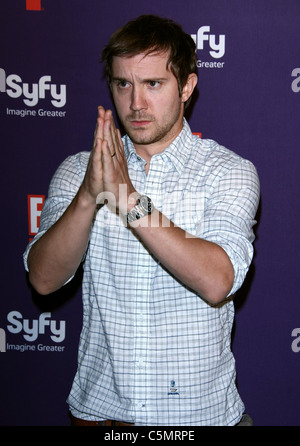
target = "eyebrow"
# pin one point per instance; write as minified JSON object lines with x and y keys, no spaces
{"x":118,"y":79}
{"x":150,"y":79}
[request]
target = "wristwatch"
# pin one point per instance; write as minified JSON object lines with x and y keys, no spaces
{"x":143,"y":207}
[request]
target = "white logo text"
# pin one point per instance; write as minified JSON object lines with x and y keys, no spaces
{"x":32,"y":329}
{"x":14,"y":87}
{"x":216,"y":44}
{"x":296,"y":82}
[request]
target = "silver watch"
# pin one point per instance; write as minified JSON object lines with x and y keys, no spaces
{"x":143,"y":207}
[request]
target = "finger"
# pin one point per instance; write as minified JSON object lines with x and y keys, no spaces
{"x":110,"y":133}
{"x":119,"y":137}
{"x":101,"y":111}
{"x":109,"y":124}
{"x":99,"y":130}
{"x":107,"y":158}
{"x":97,"y":151}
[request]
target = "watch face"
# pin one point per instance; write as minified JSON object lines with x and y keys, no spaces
{"x":146,"y":204}
{"x":143,"y":207}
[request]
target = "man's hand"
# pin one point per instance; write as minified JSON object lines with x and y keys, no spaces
{"x":114,"y":169}
{"x":93,"y":180}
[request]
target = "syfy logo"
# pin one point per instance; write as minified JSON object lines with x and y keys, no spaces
{"x":216,"y":44}
{"x":296,"y":342}
{"x":296,"y":82}
{"x":2,"y":341}
{"x":14,"y":87}
{"x":32,"y":329}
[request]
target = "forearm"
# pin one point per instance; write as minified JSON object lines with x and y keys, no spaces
{"x":201,"y":265}
{"x":55,"y":257}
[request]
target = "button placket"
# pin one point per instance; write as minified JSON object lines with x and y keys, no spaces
{"x":145,"y":266}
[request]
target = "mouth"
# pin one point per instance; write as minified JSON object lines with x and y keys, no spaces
{"x":138,"y":124}
{"x":139,"y":121}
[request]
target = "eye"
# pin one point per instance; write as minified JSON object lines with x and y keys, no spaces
{"x":154,"y":84}
{"x":123,"y":84}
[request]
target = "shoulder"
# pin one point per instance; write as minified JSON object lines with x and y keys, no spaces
{"x":220,"y":159}
{"x":77,"y":162}
{"x":72,"y":168}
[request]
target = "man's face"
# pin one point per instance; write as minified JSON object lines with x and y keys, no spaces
{"x":147,"y":99}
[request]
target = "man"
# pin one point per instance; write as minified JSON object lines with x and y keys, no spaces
{"x":162,"y":221}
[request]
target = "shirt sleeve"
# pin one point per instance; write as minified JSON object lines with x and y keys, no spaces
{"x":230,"y":216}
{"x":62,"y":189}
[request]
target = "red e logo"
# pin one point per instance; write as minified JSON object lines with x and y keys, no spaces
{"x":35,"y":205}
{"x":33,"y":5}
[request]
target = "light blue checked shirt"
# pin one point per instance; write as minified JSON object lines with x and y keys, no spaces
{"x":152,"y":352}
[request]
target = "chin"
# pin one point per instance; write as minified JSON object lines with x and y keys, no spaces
{"x":138,"y":137}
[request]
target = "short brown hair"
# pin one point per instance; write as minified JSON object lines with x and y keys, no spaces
{"x":149,"y":34}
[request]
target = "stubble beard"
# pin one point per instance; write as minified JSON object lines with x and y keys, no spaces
{"x":160,"y":133}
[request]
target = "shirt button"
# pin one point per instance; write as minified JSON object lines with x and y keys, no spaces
{"x":140,"y":405}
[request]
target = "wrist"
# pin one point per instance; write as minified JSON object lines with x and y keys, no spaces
{"x":85,"y":199}
{"x":127,"y":199}
{"x":143,"y":208}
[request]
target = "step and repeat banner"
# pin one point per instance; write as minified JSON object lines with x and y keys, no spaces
{"x":51,"y":83}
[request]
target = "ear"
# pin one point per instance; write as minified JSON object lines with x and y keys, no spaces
{"x":189,"y":87}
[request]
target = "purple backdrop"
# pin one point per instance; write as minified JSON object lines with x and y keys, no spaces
{"x":249,"y":100}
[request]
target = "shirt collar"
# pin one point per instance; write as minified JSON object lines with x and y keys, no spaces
{"x":176,"y":153}
{"x":179,"y":149}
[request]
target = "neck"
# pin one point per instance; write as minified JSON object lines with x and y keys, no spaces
{"x":146,"y":151}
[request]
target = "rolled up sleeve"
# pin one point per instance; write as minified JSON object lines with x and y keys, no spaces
{"x":230,"y":216}
{"x":62,"y":189}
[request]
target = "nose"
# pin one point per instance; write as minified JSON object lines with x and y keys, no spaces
{"x":138,"y":99}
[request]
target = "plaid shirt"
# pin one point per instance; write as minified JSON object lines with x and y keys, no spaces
{"x":152,"y":351}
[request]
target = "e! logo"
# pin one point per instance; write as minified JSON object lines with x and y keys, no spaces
{"x":33,"y":5}
{"x":35,"y":205}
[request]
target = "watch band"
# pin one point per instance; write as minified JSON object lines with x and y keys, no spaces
{"x":143,"y":207}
